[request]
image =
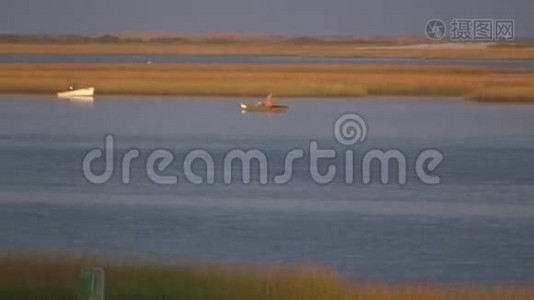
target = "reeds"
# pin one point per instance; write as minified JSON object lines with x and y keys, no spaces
{"x":483,"y":84}
{"x":56,"y":278}
{"x":521,"y":94}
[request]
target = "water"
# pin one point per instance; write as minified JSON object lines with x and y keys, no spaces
{"x":476,"y":226}
{"x":262,"y":60}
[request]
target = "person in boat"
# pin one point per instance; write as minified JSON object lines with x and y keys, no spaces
{"x":269,"y":101}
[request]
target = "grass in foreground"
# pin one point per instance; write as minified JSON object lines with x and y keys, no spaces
{"x":54,"y":278}
{"x":482,"y":84}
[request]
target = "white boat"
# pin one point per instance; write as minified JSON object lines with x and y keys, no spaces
{"x":86,"y":92}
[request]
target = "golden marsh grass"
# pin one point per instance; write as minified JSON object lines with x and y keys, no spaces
{"x":511,"y":94}
{"x":56,"y":278}
{"x":482,"y":84}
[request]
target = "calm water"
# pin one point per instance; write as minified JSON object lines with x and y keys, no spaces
{"x":476,"y":226}
{"x":178,"y":59}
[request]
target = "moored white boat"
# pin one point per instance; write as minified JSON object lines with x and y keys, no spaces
{"x":85,"y":92}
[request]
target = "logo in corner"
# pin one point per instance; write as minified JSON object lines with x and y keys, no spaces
{"x":435,"y":29}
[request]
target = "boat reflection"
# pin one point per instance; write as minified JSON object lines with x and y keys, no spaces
{"x":86,"y":101}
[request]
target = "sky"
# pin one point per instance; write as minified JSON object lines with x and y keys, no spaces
{"x":275,"y":17}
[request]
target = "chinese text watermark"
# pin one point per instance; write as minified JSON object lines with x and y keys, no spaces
{"x":471,"y":29}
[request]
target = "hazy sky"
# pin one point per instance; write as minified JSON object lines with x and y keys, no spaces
{"x":287,"y":17}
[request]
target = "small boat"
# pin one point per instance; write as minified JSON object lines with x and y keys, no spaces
{"x":86,"y":92}
{"x":263,"y":108}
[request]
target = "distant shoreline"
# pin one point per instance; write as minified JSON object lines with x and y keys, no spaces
{"x":284,"y":81}
{"x":294,"y":48}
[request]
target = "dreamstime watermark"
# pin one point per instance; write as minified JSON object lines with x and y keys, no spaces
{"x":471,"y":30}
{"x":349,"y":130}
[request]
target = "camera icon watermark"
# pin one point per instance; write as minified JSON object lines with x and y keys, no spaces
{"x":435,"y":29}
{"x":349,"y":130}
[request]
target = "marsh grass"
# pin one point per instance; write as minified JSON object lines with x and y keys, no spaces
{"x":483,"y":84}
{"x":509,"y":94}
{"x":56,"y":278}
